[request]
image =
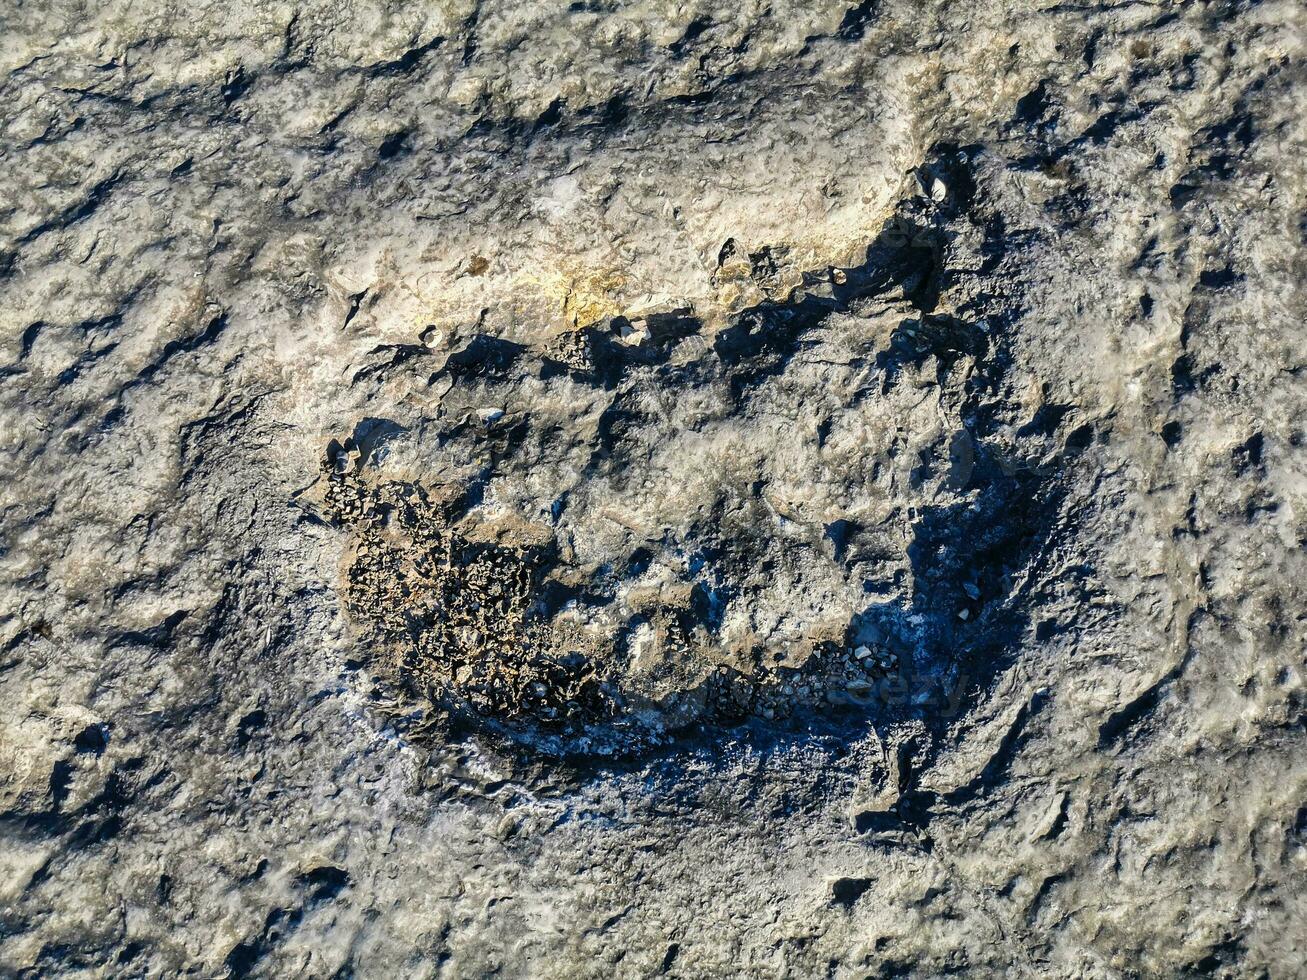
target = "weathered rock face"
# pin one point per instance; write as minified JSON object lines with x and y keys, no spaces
{"x":805,"y":510}
{"x":640,"y":489}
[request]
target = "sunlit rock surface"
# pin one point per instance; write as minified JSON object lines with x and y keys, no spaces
{"x":647,"y":489}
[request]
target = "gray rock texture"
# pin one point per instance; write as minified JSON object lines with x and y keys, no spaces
{"x":637,"y":489}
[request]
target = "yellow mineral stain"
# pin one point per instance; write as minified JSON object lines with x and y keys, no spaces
{"x":592,"y":297}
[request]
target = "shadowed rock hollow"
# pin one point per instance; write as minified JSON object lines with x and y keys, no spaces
{"x":802,"y":516}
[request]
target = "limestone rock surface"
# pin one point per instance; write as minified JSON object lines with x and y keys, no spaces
{"x":601,"y":489}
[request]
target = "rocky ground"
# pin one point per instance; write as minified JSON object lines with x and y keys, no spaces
{"x":632,"y":489}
